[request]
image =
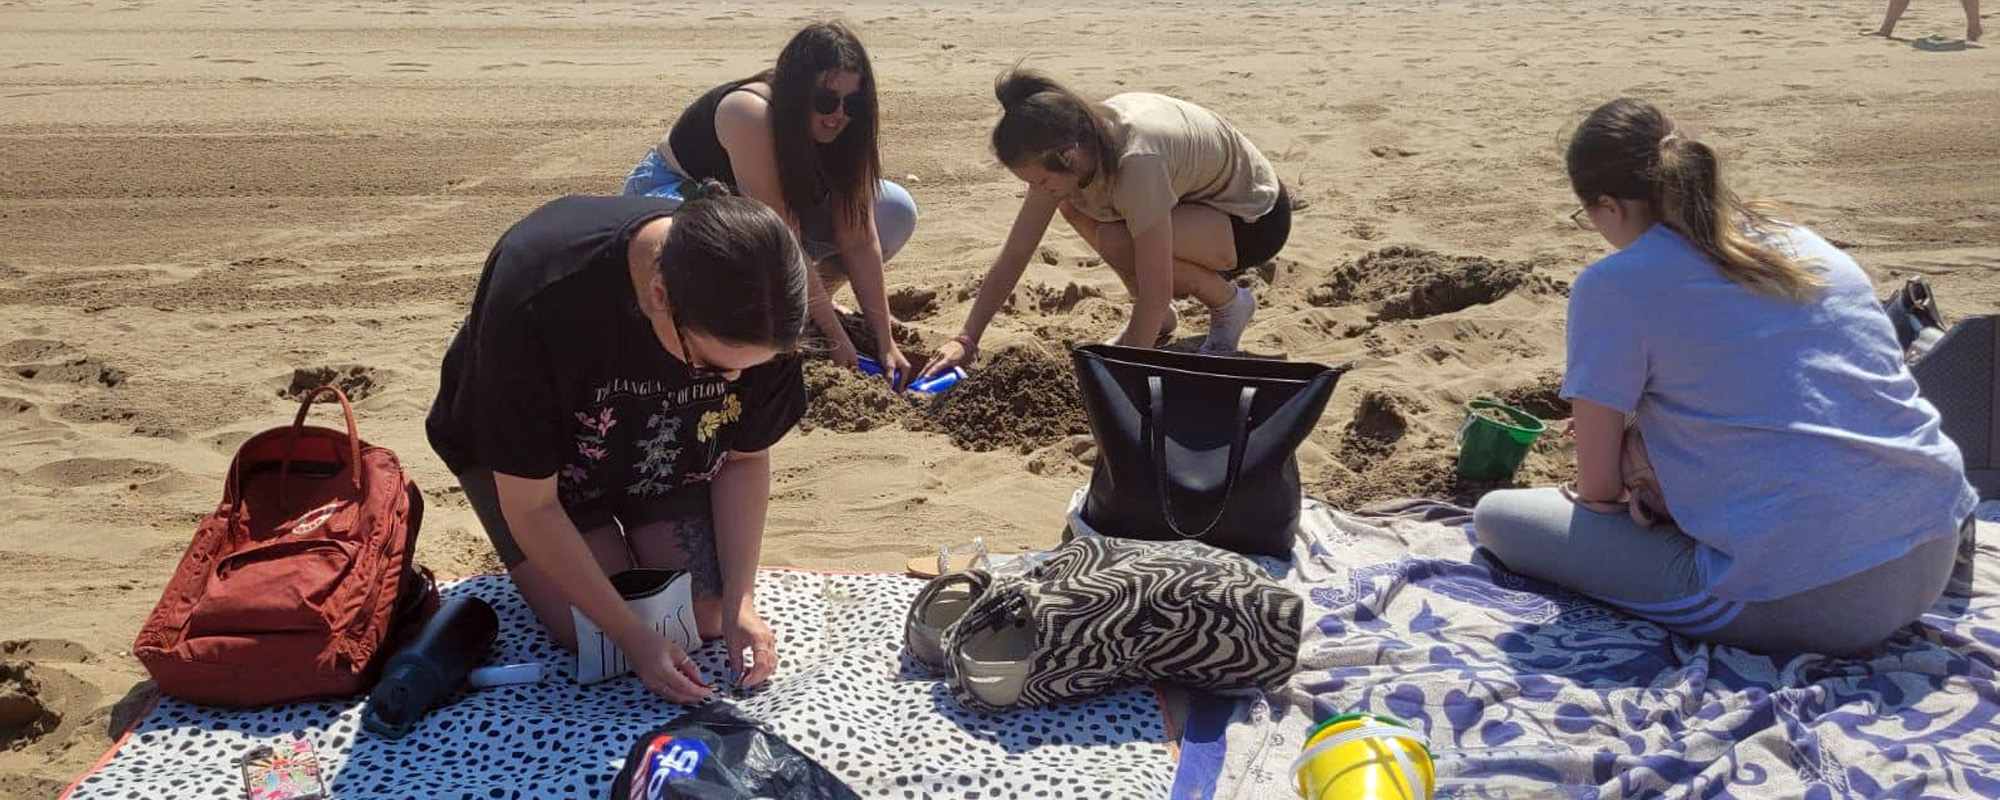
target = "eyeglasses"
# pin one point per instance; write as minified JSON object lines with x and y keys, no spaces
{"x":826,"y":102}
{"x":695,"y":363}
{"x":1581,"y":216}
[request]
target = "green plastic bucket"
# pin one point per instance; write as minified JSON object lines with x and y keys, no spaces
{"x":1493,"y":451}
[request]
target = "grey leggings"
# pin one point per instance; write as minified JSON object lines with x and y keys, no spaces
{"x":1651,"y":573}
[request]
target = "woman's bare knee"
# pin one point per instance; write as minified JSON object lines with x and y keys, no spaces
{"x":708,"y":616}
{"x":548,"y":603}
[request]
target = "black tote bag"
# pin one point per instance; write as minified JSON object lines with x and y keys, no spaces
{"x":1198,"y":447}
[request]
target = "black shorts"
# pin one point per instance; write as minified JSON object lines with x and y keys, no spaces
{"x":689,"y":506}
{"x":1260,"y":241}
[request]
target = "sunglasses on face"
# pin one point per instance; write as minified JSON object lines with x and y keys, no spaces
{"x":826,"y":102}
{"x":696,"y":365}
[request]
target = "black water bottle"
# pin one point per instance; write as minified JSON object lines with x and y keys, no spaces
{"x":430,"y":667}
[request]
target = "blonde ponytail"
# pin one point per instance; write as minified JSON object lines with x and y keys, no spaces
{"x":1693,"y":201}
{"x":1630,"y":150}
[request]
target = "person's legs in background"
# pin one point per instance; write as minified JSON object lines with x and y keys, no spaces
{"x":895,"y":223}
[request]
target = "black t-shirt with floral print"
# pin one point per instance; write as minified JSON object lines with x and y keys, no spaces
{"x":557,"y":372}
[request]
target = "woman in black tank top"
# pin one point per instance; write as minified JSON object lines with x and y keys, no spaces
{"x":801,"y":138}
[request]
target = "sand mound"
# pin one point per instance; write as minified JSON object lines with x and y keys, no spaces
{"x":1014,"y":399}
{"x":847,"y":401}
{"x":1412,"y":283}
{"x":357,"y":381}
{"x":1541,"y":397}
{"x":25,"y":714}
{"x":1050,"y":300}
{"x":1380,"y":421}
{"x":911,"y":303}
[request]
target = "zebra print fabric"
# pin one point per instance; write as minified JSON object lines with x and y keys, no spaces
{"x":1105,"y":611}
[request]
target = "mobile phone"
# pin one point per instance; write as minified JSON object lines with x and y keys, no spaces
{"x":288,"y":771}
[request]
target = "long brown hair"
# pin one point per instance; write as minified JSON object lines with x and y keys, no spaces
{"x":1043,"y":120}
{"x":1629,"y":149}
{"x":849,"y":166}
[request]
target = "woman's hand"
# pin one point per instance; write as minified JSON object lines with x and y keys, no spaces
{"x":895,"y":366}
{"x":844,"y":354}
{"x":743,"y":629}
{"x":665,"y":669}
{"x":958,"y":352}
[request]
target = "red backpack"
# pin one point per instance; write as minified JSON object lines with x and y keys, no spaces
{"x":293,"y":586}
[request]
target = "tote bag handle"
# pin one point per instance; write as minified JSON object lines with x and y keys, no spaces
{"x":1236,"y":447}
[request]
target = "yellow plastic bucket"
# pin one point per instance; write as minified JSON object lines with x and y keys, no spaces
{"x":1365,"y":757}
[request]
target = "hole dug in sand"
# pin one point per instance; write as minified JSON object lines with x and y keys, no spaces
{"x":1411,"y":283}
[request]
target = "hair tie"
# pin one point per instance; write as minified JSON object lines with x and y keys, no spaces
{"x":1669,"y":139}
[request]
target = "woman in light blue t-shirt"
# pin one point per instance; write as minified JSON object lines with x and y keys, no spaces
{"x":1815,"y":504}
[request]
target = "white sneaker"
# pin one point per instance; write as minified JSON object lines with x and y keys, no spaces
{"x":1226,"y":324}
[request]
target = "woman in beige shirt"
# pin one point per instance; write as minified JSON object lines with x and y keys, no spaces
{"x":1168,"y":192}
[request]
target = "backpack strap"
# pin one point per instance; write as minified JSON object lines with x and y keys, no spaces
{"x":299,"y":423}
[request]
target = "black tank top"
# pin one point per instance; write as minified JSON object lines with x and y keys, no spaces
{"x":696,"y":148}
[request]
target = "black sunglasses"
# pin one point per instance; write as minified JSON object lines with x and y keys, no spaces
{"x":826,"y":102}
{"x":696,"y":365}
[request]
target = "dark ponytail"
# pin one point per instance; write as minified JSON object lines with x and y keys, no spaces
{"x":1630,"y":150}
{"x":1042,"y":120}
{"x":733,"y":270}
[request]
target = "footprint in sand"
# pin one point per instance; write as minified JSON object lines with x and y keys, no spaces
{"x":74,"y":473}
{"x":231,"y":61}
{"x":31,"y":64}
{"x":81,"y":371}
{"x":508,"y":65}
{"x":34,"y":349}
{"x":313,"y":64}
{"x":13,"y":408}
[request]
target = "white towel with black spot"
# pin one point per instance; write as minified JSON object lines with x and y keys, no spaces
{"x":844,"y":695}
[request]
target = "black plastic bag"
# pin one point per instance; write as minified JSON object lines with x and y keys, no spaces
{"x":716,"y":753}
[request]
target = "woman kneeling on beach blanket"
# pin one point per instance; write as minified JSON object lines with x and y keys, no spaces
{"x":609,"y":402}
{"x":1168,"y":192}
{"x":1815,"y":504}
{"x":802,"y":138}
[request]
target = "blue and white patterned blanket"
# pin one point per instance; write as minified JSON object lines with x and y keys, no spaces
{"x":1543,"y":693}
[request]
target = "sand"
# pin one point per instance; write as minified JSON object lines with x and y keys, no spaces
{"x":208,"y":206}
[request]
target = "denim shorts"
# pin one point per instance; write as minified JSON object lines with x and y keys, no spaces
{"x":895,"y":209}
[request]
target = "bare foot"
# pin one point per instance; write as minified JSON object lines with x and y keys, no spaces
{"x":1973,"y":31}
{"x":1882,"y":32}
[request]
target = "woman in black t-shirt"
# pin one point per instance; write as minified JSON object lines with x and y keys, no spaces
{"x":609,"y":402}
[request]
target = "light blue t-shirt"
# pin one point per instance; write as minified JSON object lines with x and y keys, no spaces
{"x":1788,"y":436}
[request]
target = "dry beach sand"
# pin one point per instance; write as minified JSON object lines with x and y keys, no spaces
{"x":207,"y":205}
